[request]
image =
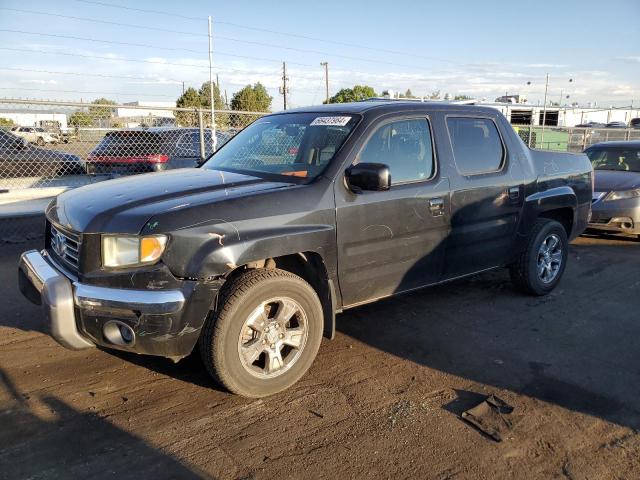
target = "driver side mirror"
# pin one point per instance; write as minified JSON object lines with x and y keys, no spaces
{"x":368,"y":176}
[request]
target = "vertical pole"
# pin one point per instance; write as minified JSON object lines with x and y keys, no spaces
{"x":326,"y":80}
{"x":213,"y":118}
{"x":284,"y":84}
{"x":544,"y":111}
{"x":203,"y":154}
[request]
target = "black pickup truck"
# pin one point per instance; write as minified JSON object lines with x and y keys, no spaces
{"x":303,"y":214}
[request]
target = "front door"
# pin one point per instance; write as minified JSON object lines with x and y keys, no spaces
{"x":393,"y":241}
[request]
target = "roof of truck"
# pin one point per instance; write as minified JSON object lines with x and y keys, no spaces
{"x":387,"y":106}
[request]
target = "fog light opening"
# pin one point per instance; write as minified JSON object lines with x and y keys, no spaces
{"x":119,"y":333}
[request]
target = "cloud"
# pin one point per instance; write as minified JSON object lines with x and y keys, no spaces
{"x":38,"y":81}
{"x":630,"y":59}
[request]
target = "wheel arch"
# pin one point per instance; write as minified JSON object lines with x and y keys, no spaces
{"x":559,"y":204}
{"x":311,"y":267}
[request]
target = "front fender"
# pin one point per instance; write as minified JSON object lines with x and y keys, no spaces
{"x":213,"y":250}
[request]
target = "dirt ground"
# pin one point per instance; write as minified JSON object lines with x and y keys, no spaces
{"x":383,"y":400}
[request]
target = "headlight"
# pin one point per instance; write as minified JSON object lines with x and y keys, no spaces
{"x":623,"y":195}
{"x":124,"y":251}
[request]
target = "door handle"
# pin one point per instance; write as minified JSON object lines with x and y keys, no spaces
{"x":514,"y":193}
{"x":436,"y":207}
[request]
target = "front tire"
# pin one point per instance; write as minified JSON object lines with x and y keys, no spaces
{"x":264,"y":334}
{"x":539,"y":268}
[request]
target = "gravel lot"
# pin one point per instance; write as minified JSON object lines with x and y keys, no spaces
{"x":383,"y":400}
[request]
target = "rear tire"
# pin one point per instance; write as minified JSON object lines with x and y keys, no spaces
{"x":540,"y":267}
{"x":264,"y":334}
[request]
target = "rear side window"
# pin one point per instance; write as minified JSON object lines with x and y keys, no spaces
{"x":476,"y":143}
{"x":404,"y":146}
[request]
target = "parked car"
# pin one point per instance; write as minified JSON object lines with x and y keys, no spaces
{"x":149,"y":150}
{"x":616,"y":125}
{"x":19,"y":159}
{"x":634,"y":123}
{"x":591,"y":125}
{"x":301,"y":215}
{"x":36,"y":135}
{"x":616,"y":196}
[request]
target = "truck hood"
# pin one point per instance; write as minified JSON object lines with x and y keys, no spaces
{"x":608,"y":180}
{"x":124,"y":205}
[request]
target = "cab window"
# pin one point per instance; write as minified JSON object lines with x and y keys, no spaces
{"x":405,"y":146}
{"x":476,"y":144}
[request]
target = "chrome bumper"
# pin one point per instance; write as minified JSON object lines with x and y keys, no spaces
{"x":44,"y":285}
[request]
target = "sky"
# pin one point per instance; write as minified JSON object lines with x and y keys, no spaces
{"x":84,"y":49}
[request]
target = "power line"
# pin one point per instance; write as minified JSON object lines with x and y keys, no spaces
{"x":97,"y":40}
{"x":154,"y":62}
{"x":318,"y":52}
{"x":84,"y":74}
{"x":142,"y":10}
{"x":88,"y":92}
{"x":275,"y":32}
{"x":124,"y":77}
{"x":106,"y":22}
{"x":249,"y":42}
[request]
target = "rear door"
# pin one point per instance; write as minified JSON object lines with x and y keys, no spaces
{"x":487,"y":195}
{"x":393,"y":241}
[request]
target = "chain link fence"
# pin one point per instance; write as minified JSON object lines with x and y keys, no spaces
{"x":571,"y":139}
{"x":49,"y":147}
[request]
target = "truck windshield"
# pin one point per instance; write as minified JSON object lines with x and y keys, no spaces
{"x":291,"y":144}
{"x":622,"y":159}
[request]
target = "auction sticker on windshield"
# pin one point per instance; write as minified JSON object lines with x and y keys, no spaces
{"x":333,"y":121}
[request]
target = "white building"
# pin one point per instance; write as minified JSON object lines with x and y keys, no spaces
{"x":145,"y":113}
{"x":524,"y":114}
{"x":34,"y":118}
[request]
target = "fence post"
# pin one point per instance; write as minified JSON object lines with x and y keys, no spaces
{"x":203,"y":155}
{"x":530,"y":133}
{"x":584,"y":139}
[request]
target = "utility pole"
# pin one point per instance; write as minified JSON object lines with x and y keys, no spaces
{"x":284,"y":90}
{"x":213,"y":122}
{"x":183,"y":88}
{"x":544,"y":110}
{"x":326,"y":78}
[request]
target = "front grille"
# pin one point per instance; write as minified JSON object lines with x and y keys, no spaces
{"x":600,"y":221}
{"x":65,"y":246}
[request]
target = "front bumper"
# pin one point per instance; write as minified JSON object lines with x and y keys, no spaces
{"x":618,"y":216}
{"x":78,"y":316}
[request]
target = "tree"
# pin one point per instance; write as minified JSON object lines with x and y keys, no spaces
{"x":80,"y":119}
{"x":218,"y":102}
{"x":435,"y":95}
{"x":252,"y":98}
{"x":6,"y":122}
{"x":197,"y":99}
{"x":462,"y":97}
{"x":101,"y":112}
{"x":407,"y":94}
{"x":355,"y":94}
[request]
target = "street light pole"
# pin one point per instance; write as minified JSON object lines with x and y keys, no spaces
{"x":544,"y":109}
{"x":326,"y":79}
{"x":213,"y":122}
